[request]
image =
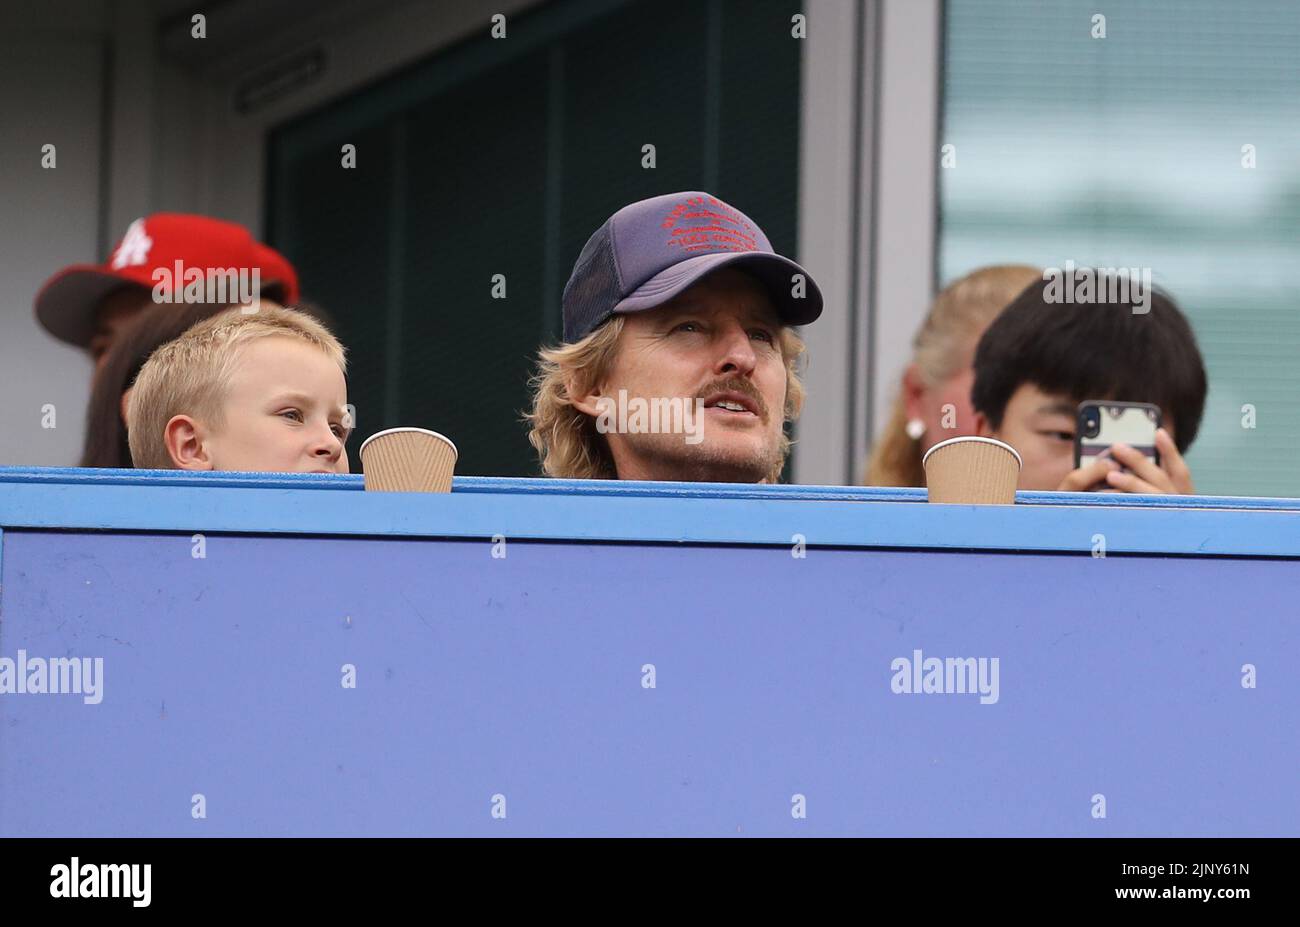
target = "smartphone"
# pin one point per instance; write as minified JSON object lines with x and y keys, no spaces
{"x":1102,"y":423}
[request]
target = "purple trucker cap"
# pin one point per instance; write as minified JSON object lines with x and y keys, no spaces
{"x":649,"y":251}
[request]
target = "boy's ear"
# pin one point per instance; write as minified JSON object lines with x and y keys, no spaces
{"x":184,"y":440}
{"x":982,"y":427}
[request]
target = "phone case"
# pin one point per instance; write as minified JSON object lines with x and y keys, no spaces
{"x":1133,"y":423}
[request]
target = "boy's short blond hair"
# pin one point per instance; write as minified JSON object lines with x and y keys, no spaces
{"x":189,"y":376}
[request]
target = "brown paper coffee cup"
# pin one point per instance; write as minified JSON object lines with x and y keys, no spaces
{"x":408,"y":460}
{"x":972,"y":471}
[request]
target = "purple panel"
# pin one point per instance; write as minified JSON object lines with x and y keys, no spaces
{"x":523,"y":676}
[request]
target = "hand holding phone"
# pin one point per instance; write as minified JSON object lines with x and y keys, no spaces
{"x":1135,"y":457}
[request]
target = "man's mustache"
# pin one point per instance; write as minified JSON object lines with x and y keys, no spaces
{"x":737,"y":385}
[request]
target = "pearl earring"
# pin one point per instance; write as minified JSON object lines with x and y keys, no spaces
{"x":915,"y":428}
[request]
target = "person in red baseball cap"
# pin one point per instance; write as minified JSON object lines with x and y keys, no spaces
{"x":88,"y":305}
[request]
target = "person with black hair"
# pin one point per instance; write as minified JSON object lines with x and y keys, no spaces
{"x":1041,"y":357}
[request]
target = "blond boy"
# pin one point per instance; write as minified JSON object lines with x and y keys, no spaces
{"x":259,"y":390}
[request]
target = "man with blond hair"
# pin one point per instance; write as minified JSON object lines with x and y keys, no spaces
{"x":259,"y":390}
{"x":678,"y":361}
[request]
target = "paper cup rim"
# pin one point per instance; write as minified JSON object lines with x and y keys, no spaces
{"x":389,"y":431}
{"x":1019,"y":460}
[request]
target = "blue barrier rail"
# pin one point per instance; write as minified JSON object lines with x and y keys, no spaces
{"x":278,"y":654}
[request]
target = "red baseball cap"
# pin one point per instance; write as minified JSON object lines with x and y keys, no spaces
{"x":66,"y":304}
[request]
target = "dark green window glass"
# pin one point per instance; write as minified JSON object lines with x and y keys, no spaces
{"x":502,"y":157}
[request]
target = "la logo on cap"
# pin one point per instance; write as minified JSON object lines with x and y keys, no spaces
{"x":134,"y":248}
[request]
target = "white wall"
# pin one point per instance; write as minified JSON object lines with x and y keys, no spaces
{"x":51,"y":63}
{"x":833,"y":119}
{"x":868,"y":155}
{"x":906,"y":185}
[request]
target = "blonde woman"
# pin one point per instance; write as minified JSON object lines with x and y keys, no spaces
{"x":933,"y":402}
